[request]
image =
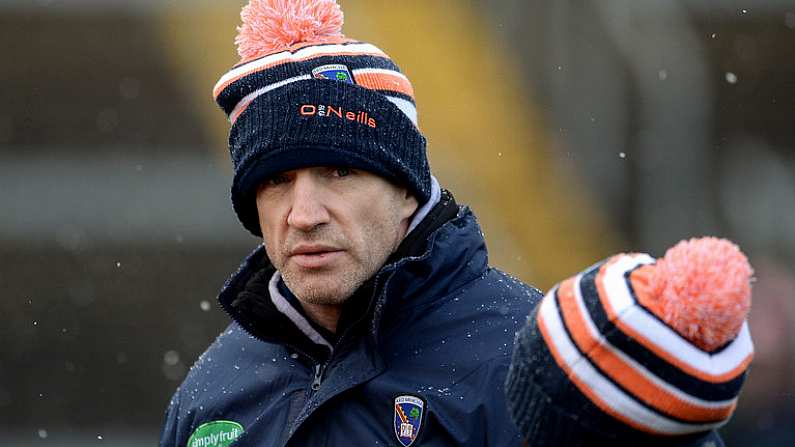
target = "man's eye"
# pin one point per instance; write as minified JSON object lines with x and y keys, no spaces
{"x":343,"y":172}
{"x":277,"y":179}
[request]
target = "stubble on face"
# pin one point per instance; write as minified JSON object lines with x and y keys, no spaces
{"x":334,"y":285}
{"x":367,"y":245}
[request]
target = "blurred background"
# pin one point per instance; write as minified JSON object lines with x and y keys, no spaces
{"x":575,"y":129}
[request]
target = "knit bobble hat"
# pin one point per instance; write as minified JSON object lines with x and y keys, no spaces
{"x":634,"y":350}
{"x":305,"y":95}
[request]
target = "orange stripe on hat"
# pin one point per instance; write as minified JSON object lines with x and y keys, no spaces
{"x":635,"y":381}
{"x":651,"y":345}
{"x":582,"y":386}
{"x":286,"y":60}
{"x":384,"y":80}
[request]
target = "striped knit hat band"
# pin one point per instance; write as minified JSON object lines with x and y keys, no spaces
{"x":357,"y":63}
{"x":305,"y":95}
{"x":617,"y":366}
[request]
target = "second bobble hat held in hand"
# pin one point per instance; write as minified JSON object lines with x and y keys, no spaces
{"x":636,"y":351}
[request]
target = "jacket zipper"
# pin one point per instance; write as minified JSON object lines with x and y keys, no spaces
{"x":320,"y":368}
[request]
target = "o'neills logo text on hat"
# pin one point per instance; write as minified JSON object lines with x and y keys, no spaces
{"x":329,"y":111}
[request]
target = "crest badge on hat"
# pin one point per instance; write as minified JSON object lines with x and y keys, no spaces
{"x":335,"y":72}
{"x":408,"y":418}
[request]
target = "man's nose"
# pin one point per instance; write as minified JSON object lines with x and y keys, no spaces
{"x":308,"y":209}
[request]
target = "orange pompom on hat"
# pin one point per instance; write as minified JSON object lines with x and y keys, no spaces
{"x":270,"y":26}
{"x":635,"y":349}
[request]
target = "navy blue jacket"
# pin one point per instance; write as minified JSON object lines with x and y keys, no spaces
{"x":439,"y":327}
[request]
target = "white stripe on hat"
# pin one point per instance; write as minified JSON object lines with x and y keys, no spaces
{"x":287,"y":56}
{"x":654,"y":331}
{"x":408,"y":109}
{"x":248,"y":99}
{"x":676,"y":392}
{"x":606,"y":394}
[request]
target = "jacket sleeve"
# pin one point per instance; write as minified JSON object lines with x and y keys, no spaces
{"x":170,"y":433}
{"x":500,"y":429}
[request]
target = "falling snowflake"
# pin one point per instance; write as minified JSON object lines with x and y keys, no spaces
{"x":171,"y":358}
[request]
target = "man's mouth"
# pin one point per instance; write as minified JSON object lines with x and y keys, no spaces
{"x":315,"y":256}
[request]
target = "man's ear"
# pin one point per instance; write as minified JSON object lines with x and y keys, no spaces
{"x":410,"y":205}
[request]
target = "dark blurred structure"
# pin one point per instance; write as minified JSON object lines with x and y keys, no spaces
{"x":667,"y":119}
{"x":116,"y":230}
{"x":682,"y":92}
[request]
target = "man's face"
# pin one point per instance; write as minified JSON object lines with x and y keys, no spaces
{"x":327,"y":230}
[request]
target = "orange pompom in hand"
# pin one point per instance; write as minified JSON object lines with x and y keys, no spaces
{"x":701,"y":288}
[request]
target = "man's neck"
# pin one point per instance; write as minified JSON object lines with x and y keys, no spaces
{"x":326,"y":315}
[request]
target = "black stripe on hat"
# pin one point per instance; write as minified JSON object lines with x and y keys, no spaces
{"x":237,"y":90}
{"x":667,"y":372}
{"x":607,"y":376}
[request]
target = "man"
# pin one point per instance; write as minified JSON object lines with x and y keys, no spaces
{"x":369,"y":316}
